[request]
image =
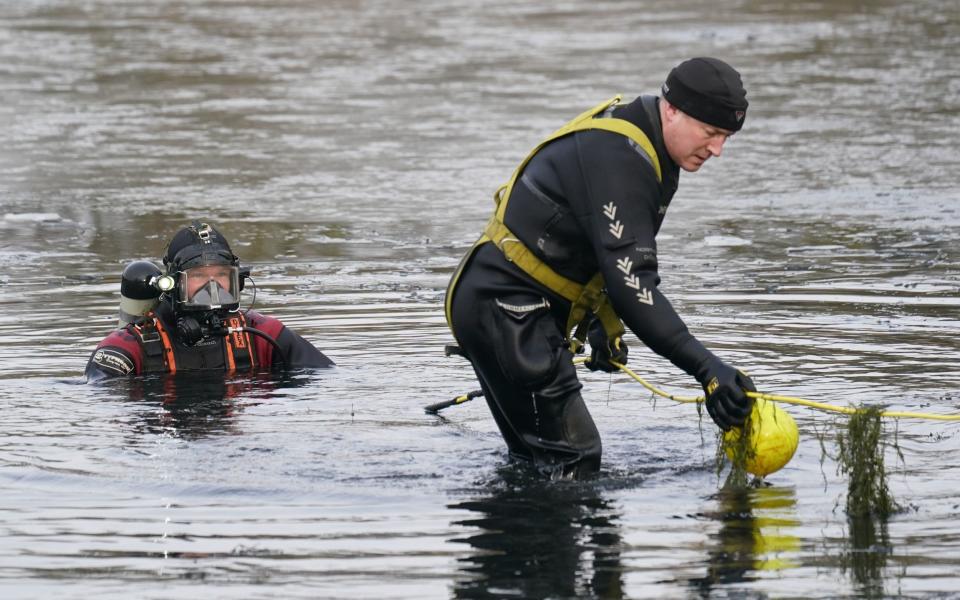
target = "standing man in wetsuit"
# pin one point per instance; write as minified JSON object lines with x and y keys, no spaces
{"x":196,"y":323}
{"x":570,"y":255}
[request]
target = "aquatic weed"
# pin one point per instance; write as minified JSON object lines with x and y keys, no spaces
{"x":741,"y":451}
{"x":860,"y":458}
{"x":821,"y":435}
{"x":699,"y":406}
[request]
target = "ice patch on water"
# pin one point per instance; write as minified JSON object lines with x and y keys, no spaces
{"x":32,"y":217}
{"x":725,"y":241}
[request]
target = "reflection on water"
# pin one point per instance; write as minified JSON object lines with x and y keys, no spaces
{"x":867,"y":556}
{"x":190,"y":405}
{"x":757,"y":534}
{"x":531,"y":539}
{"x":523,"y":528}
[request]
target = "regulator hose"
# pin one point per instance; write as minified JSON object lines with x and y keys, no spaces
{"x":273,"y":342}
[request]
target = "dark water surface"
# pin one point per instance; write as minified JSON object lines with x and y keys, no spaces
{"x":350,"y":150}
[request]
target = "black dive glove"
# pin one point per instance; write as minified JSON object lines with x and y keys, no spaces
{"x":603,"y":350}
{"x":726,"y":392}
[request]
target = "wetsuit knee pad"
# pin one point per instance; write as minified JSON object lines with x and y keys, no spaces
{"x":566,"y":436}
{"x":580,"y":430}
{"x":526,"y":341}
{"x":563,"y":415}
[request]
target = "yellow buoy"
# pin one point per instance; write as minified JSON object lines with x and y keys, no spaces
{"x":773,"y":438}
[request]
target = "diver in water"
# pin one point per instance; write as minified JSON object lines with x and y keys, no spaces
{"x":189,"y":318}
{"x":570,"y":255}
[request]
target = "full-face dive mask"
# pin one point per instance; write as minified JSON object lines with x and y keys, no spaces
{"x":208,"y":281}
{"x":209,"y":287}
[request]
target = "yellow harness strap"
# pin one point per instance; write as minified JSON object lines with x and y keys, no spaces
{"x":583,"y":122}
{"x":584,"y":298}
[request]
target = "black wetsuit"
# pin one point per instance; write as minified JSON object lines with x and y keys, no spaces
{"x":585,"y":203}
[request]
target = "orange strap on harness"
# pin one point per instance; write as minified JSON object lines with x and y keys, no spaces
{"x":239,"y":341}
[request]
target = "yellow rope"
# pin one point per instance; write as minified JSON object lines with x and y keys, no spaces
{"x":785,"y":399}
{"x":847,"y":410}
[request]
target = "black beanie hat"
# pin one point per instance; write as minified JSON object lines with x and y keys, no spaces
{"x":198,"y":244}
{"x":709,"y":90}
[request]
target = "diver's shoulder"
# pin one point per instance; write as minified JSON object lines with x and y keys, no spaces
{"x":123,"y":338}
{"x":260,"y":320}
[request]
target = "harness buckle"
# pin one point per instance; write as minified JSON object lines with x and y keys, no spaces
{"x":498,"y":195}
{"x":151,"y":335}
{"x":504,"y":250}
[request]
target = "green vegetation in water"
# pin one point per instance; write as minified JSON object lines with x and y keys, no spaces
{"x":869,"y":503}
{"x":699,"y":406}
{"x":742,"y":452}
{"x":860,"y":458}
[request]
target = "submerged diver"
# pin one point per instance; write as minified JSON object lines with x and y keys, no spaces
{"x":571,"y":248}
{"x":189,"y":318}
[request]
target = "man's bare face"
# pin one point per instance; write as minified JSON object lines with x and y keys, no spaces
{"x":690,"y":142}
